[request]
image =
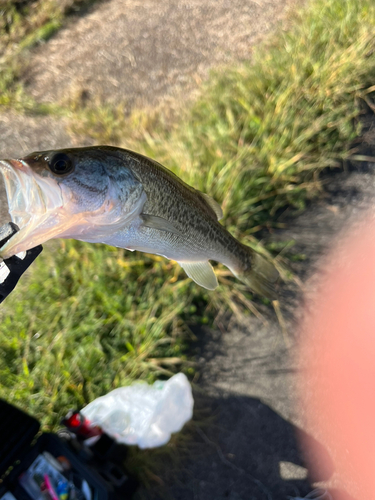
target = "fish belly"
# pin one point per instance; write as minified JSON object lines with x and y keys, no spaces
{"x":191,"y":250}
{"x":169,"y":245}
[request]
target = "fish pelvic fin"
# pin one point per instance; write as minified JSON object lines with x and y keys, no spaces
{"x":260,"y":275}
{"x":202,"y":273}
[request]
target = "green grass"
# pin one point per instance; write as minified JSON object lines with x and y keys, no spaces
{"x":24,"y":23}
{"x":89,"y":318}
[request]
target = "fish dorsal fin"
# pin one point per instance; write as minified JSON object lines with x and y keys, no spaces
{"x":201,"y":272}
{"x":154,"y":222}
{"x":214,"y":205}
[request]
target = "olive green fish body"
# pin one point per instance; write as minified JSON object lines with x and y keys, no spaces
{"x":191,"y":217}
{"x":115,"y":196}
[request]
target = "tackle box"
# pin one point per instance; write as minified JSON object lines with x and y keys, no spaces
{"x":45,"y":466}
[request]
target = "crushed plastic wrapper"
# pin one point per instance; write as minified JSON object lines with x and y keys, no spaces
{"x":142,"y":414}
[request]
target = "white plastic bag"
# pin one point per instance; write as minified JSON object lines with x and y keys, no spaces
{"x":144,"y":414}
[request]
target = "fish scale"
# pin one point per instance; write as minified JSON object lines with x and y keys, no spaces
{"x":121,"y":198}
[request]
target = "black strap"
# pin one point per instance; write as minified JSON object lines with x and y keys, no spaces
{"x":13,"y":268}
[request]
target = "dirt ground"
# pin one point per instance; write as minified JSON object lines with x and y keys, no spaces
{"x":143,"y":52}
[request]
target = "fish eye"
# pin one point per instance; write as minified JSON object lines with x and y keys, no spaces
{"x":60,"y":164}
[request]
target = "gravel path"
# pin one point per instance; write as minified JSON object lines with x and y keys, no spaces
{"x":142,"y":51}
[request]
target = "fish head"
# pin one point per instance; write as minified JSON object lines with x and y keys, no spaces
{"x":79,"y":176}
{"x":59,"y":194}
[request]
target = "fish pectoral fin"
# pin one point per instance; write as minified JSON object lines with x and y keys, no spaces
{"x":214,"y":205}
{"x":154,"y":222}
{"x":201,"y":272}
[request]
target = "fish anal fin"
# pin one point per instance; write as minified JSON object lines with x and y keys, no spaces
{"x":214,"y":205}
{"x":201,"y":272}
{"x":154,"y":222}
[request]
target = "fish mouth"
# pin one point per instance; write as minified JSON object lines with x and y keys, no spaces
{"x":16,"y":185}
{"x":32,"y":200}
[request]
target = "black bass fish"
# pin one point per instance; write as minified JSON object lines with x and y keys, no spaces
{"x":110,"y":195}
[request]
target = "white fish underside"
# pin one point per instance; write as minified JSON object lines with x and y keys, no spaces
{"x":193,"y":260}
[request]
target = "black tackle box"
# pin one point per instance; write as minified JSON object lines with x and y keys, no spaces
{"x":45,"y":466}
